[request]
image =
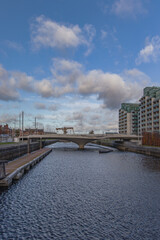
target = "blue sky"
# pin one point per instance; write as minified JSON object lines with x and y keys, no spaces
{"x":72,"y":63}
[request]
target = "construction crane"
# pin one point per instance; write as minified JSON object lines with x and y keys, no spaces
{"x":65,"y":129}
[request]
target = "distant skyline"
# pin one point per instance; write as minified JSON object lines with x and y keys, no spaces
{"x":72,"y":63}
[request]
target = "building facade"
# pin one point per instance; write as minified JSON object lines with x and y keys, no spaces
{"x":149,"y":114}
{"x":128,"y":118}
{"x":5,"y":130}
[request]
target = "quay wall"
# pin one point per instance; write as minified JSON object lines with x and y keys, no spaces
{"x":133,"y":147}
{"x":20,"y":171}
{"x":147,"y":150}
{"x":9,"y":153}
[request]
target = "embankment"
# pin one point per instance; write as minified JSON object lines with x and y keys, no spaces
{"x":11,"y":152}
{"x":132,"y":147}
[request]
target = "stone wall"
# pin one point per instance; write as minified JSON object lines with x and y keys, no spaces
{"x":131,"y":147}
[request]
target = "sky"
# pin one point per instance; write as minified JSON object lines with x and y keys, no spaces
{"x":72,"y":63}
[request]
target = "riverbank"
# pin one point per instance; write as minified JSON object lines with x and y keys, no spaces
{"x":17,"y":168}
{"x":132,"y":147}
{"x":10,"y":152}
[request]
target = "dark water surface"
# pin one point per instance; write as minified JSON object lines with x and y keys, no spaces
{"x":84,"y":195}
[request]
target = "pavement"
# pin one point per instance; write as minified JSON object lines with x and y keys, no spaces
{"x":19,"y":162}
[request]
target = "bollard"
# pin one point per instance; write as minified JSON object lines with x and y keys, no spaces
{"x":2,"y":169}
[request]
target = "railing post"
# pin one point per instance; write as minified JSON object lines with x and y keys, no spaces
{"x":2,"y":169}
{"x":40,"y":143}
{"x":28,"y":145}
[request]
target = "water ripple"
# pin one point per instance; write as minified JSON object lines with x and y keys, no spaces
{"x":73,"y":195}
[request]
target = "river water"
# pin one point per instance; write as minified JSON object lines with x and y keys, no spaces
{"x":72,"y":195}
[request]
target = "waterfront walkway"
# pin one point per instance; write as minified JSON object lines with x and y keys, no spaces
{"x":15,"y":169}
{"x":19,"y":162}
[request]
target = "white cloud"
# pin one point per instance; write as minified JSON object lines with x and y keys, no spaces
{"x":69,"y":78}
{"x":103,"y":34}
{"x":48,"y":33}
{"x":44,"y":88}
{"x":112,"y":89}
{"x":14,"y":45}
{"x":128,"y":8}
{"x":151,"y":51}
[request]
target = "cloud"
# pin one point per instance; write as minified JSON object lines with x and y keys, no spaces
{"x":128,"y":8}
{"x":87,"y":121}
{"x":113,"y":89}
{"x":53,"y":107}
{"x":8,"y":90}
{"x":103,"y":34}
{"x":40,"y":106}
{"x":69,"y":78}
{"x":8,"y":118}
{"x":65,"y":71}
{"x":12,"y":82}
{"x":48,"y":33}
{"x":44,"y":88}
{"x":76,"y":116}
{"x":151,"y":51}
{"x":14,"y":45}
{"x":23,"y":81}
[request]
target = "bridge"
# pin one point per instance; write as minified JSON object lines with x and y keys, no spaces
{"x":80,"y":140}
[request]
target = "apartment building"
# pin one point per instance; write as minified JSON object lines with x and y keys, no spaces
{"x":128,"y":118}
{"x":5,"y":130}
{"x":149,"y":114}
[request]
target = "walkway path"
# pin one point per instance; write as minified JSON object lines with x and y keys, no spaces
{"x":13,"y":165}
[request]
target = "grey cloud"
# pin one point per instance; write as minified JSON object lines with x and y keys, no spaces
{"x":75,"y":117}
{"x":44,"y":88}
{"x":53,"y":107}
{"x":8,"y":118}
{"x":12,"y":82}
{"x":40,"y":106}
{"x":8,"y":90}
{"x":23,"y":81}
{"x":113,"y":89}
{"x":65,"y":71}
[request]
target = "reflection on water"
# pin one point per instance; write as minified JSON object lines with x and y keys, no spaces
{"x":74,"y":194}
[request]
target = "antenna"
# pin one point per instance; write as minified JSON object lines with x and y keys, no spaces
{"x":22,"y":124}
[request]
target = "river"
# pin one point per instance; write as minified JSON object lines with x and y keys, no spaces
{"x":72,"y":195}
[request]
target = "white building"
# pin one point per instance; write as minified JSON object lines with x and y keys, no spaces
{"x":149,"y":114}
{"x":128,"y":118}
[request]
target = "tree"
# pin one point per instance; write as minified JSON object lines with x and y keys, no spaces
{"x":91,"y":132}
